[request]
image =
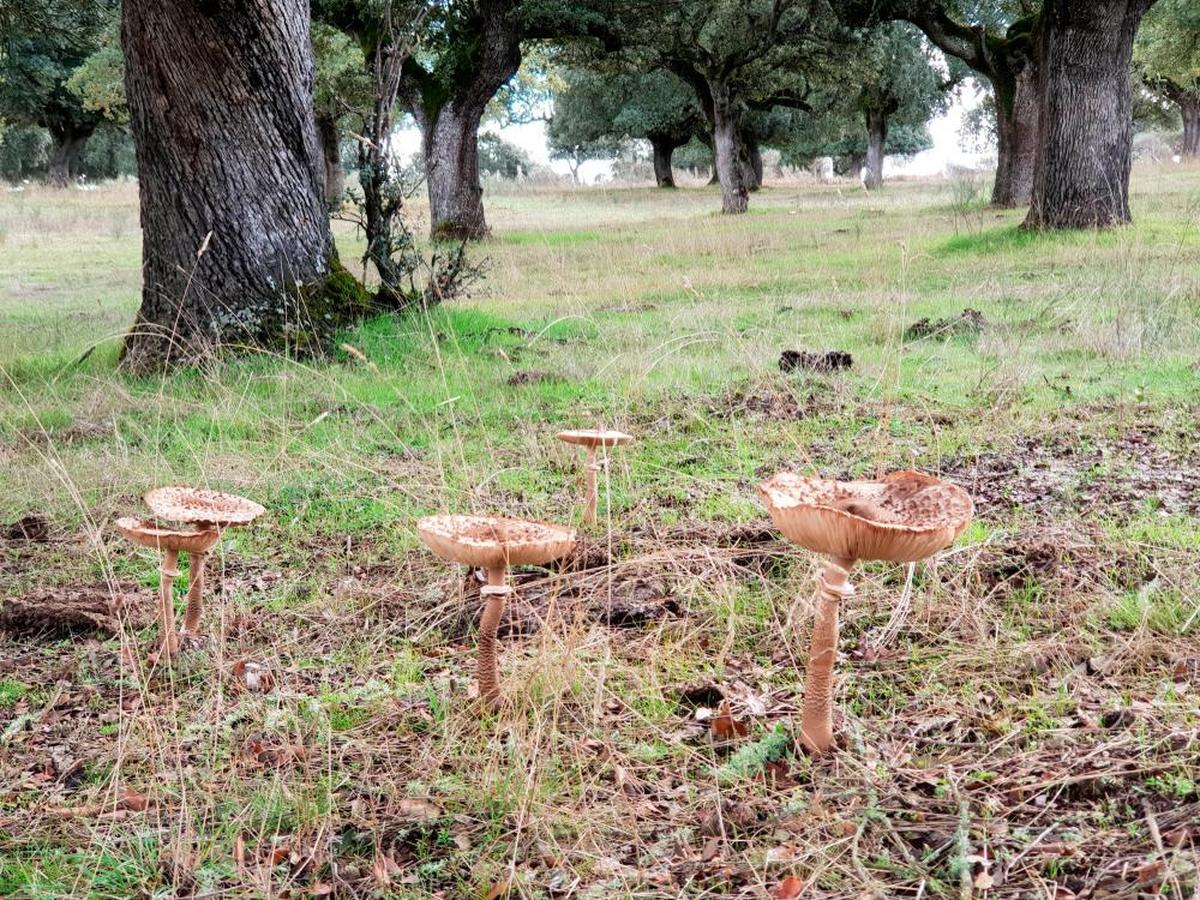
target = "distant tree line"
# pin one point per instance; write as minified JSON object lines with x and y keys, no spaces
{"x":245,"y":118}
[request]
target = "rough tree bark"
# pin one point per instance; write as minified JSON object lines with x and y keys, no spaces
{"x":1016,"y":134}
{"x":877,"y":129}
{"x":451,"y":148}
{"x":1085,"y":130}
{"x":752,"y":162}
{"x":663,"y":150}
{"x":236,"y":241}
{"x":331,"y":153}
{"x":66,"y":153}
{"x":1190,"y":110}
{"x":727,"y":150}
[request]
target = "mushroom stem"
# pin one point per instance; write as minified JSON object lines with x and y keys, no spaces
{"x":487,"y":670}
{"x":593,"y":493}
{"x":168,"y":572}
{"x":195,"y":594}
{"x":816,"y":726}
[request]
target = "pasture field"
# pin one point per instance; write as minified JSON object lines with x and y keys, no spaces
{"x":1027,"y":726}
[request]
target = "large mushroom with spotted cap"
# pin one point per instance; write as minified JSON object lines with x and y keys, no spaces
{"x":905,"y":517}
{"x":592,"y":442}
{"x":494,"y":543}
{"x":209,"y":513}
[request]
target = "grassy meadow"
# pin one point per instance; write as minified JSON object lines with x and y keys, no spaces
{"x":1024,"y":723}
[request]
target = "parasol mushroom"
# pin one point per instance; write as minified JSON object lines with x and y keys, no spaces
{"x":908,"y":516}
{"x":591,"y":441}
{"x":208,"y":511}
{"x":494,"y":543}
{"x":170,"y":543}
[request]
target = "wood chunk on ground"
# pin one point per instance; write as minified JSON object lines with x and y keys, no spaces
{"x":75,"y":608}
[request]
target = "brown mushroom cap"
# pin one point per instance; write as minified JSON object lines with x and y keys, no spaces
{"x":587,"y":438}
{"x":186,"y":504}
{"x":494,"y":542}
{"x":147,"y":533}
{"x":911,"y":515}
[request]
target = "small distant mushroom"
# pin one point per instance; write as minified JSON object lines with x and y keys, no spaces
{"x":908,"y":516}
{"x":170,"y":543}
{"x":494,"y":543}
{"x":591,"y":441}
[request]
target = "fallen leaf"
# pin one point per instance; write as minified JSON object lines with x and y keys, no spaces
{"x":498,"y":890}
{"x":415,"y":809}
{"x":239,"y":850}
{"x":132,"y":800}
{"x":788,"y":889}
{"x":385,"y":868}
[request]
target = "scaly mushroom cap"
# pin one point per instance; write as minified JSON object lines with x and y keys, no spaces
{"x":186,"y":504}
{"x":146,"y":533}
{"x":906,"y":517}
{"x":587,"y":438}
{"x":493,"y":542}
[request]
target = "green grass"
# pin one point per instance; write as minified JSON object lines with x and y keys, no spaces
{"x":646,"y":311}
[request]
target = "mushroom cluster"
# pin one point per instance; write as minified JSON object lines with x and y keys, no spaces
{"x":905,"y":517}
{"x":208,"y":513}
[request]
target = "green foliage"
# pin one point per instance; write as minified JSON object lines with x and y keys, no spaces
{"x":36,"y":65}
{"x":1168,"y":44}
{"x":23,"y":152}
{"x":498,"y":157}
{"x":597,"y":111}
{"x":895,"y":75}
{"x":341,"y":83}
{"x":99,"y":81}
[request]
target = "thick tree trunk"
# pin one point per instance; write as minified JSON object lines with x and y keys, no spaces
{"x":727,"y":151}
{"x":1085,"y":129}
{"x":236,"y":241}
{"x":752,"y":163}
{"x":331,"y":152}
{"x":1190,"y":110}
{"x":663,"y":176}
{"x":66,"y":153}
{"x":850,"y":165}
{"x":1016,"y":132}
{"x":452,"y":173}
{"x":877,"y":128}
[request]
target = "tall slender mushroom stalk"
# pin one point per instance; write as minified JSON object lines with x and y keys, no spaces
{"x":494,"y":594}
{"x":493,"y":543}
{"x":592,"y":441}
{"x":168,"y":571}
{"x":908,"y":516}
{"x":195,"y":594}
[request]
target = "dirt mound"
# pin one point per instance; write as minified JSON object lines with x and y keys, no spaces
{"x":815,"y":360}
{"x":969,"y":321}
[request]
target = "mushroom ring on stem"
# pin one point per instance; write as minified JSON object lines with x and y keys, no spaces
{"x":591,"y":441}
{"x":906,"y":517}
{"x":494,"y":543}
{"x":207,"y":510}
